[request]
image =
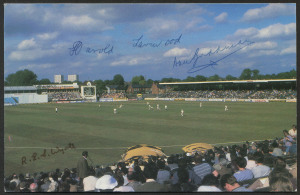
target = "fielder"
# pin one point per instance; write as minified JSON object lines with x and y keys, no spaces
{"x":56,"y":109}
{"x":200,"y":104}
{"x":115,"y":111}
{"x":121,"y":106}
{"x":166,"y":107}
{"x":181,"y":112}
{"x":157,"y":107}
{"x":226,"y":109}
{"x":150,"y":107}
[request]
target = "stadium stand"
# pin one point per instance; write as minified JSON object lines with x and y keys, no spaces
{"x":174,"y":173}
{"x":11,"y":101}
{"x":52,"y":96}
{"x":233,"y":94}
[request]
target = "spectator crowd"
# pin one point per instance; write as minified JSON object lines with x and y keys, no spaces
{"x":64,"y":96}
{"x":233,"y":94}
{"x":269,"y":165}
{"x":113,"y":95}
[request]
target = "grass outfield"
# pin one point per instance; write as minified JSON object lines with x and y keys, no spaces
{"x":105,"y":136}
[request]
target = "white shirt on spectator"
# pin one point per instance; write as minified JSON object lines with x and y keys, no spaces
{"x":260,"y":171}
{"x":89,"y":183}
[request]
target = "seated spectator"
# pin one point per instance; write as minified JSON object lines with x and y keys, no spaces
{"x":202,"y":168}
{"x":171,"y":163}
{"x":15,"y":179}
{"x":243,"y":173}
{"x":251,"y":162}
{"x":222,"y":167}
{"x":183,"y":184}
{"x":132,"y":178}
{"x":193,"y":177}
{"x":23,"y":187}
{"x":260,"y":170}
{"x":106,"y":183}
{"x":53,"y":186}
{"x":151,"y":184}
{"x":33,"y":187}
{"x":64,"y":187}
{"x":163,"y":175}
{"x":293,"y":132}
{"x":230,"y":184}
{"x":120,"y":187}
{"x":89,"y":182}
{"x":288,"y":142}
{"x":276,"y":150}
{"x":209,"y":184}
{"x":281,"y":184}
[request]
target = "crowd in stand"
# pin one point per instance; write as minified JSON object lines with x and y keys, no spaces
{"x":64,"y":96}
{"x":255,"y":166}
{"x":113,"y":95}
{"x":233,"y":94}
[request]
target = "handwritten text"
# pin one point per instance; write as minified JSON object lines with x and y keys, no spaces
{"x":45,"y":154}
{"x":77,"y":46}
{"x":140,"y":44}
{"x":238,"y":46}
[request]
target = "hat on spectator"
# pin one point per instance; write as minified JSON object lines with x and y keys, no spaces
{"x":33,"y":187}
{"x":106,"y":182}
{"x":22,"y":185}
{"x":27,"y":176}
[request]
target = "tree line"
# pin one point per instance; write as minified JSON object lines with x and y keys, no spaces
{"x":29,"y":78}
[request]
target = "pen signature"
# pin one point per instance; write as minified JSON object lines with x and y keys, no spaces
{"x":77,"y":46}
{"x":211,"y":63}
{"x":35,"y":156}
{"x":140,"y":44}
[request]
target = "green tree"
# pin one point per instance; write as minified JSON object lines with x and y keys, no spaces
{"x":149,"y":82}
{"x":100,"y":86}
{"x":118,"y":80}
{"x":214,"y":78}
{"x":230,"y":78}
{"x":255,"y":74}
{"x":200,"y":78}
{"x":22,"y":78}
{"x":138,"y":80}
{"x":246,"y":74}
{"x":44,"y":82}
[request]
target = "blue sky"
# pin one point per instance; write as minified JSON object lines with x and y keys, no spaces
{"x":41,"y":37}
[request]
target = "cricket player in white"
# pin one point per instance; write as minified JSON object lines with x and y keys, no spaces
{"x":150,"y":107}
{"x":115,"y":111}
{"x":56,"y":109}
{"x":181,"y":112}
{"x":200,"y":104}
{"x":121,"y":106}
{"x":157,"y":107}
{"x":226,"y":108}
{"x":166,"y":107}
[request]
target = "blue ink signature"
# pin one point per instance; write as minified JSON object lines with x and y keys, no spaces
{"x":211,"y":63}
{"x":77,"y":46}
{"x":139,"y":43}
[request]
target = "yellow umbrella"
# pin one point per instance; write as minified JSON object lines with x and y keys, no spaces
{"x":199,"y":147}
{"x":142,"y":150}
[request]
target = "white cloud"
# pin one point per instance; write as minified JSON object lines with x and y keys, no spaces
{"x":177,"y":52}
{"x":30,"y":54}
{"x":273,"y":31}
{"x":263,"y":45}
{"x":289,"y":50}
{"x":277,"y":30}
{"x":131,"y":61}
{"x":47,"y":36}
{"x":78,"y":20}
{"x":270,"y":11}
{"x":27,"y":44}
{"x":221,"y":18}
{"x":36,"y":66}
{"x":248,"y":32}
